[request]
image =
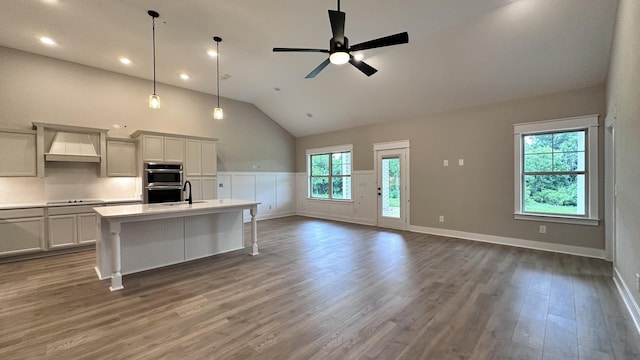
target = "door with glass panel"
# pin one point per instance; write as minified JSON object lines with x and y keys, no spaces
{"x":392,"y":189}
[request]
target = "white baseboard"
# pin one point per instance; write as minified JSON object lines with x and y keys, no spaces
{"x":346,"y":219}
{"x":628,"y":299}
{"x":529,"y":244}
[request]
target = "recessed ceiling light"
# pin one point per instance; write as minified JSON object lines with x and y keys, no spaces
{"x":125,"y":61}
{"x":50,"y":1}
{"x":47,"y":41}
{"x":358,"y":57}
{"x":184,"y":76}
{"x":212,"y":53}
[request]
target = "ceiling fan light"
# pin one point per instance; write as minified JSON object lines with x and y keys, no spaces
{"x":339,"y":58}
{"x":154,"y":101}
{"x":218,"y":114}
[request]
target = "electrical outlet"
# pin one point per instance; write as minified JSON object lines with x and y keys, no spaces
{"x":542,"y":229}
{"x":269,"y":207}
{"x":445,"y":163}
{"x":460,"y":162}
{"x":441,"y":219}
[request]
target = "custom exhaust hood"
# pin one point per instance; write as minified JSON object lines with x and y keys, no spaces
{"x":68,"y":146}
{"x":58,"y":142}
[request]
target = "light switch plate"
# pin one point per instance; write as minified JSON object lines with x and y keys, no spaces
{"x":460,"y":162}
{"x":445,"y":163}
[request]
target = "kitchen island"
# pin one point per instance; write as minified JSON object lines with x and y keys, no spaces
{"x":134,"y":238}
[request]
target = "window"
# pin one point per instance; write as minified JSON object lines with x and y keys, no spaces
{"x":556,"y":170}
{"x":329,"y":171}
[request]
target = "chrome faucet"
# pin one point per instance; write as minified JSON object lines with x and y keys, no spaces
{"x":184,"y":188}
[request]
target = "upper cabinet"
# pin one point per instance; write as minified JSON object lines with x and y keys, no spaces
{"x":18,"y":153}
{"x":201,"y":158}
{"x":159,"y":147}
{"x":121,"y":157}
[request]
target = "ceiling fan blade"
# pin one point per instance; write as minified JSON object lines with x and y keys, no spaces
{"x":337,"y":25}
{"x":300,"y":50}
{"x":317,"y":70}
{"x":400,"y":38}
{"x":362,"y":66}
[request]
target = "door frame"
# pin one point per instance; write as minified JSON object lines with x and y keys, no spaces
{"x":395,"y":145}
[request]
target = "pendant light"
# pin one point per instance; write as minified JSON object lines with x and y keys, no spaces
{"x":217,"y":111}
{"x":154,"y":100}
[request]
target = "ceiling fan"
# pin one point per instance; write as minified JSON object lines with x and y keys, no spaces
{"x":339,"y":49}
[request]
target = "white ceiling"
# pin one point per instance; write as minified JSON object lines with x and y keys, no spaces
{"x":460,"y":53}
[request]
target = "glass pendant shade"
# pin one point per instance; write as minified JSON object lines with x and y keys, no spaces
{"x":154,"y":101}
{"x":218,"y":114}
{"x":339,"y":58}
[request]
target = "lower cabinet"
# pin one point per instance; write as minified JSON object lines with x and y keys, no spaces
{"x":71,"y":225}
{"x":203,"y":187}
{"x":22,"y":231}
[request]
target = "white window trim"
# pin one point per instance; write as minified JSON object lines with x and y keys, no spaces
{"x":325,"y":150}
{"x":589,"y":122}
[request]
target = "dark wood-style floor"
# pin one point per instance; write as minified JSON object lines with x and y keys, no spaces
{"x":322,"y":290}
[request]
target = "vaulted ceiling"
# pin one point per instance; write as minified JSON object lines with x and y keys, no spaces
{"x":460,"y":53}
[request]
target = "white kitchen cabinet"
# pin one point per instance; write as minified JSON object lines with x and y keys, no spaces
{"x":22,"y":231}
{"x":121,"y":157}
{"x":173,"y":149}
{"x":203,"y":187}
{"x":18,"y":153}
{"x":71,"y":226}
{"x":152,"y":148}
{"x":63,"y":231}
{"x":162,"y":148}
{"x":201,"y":157}
{"x":209,"y":188}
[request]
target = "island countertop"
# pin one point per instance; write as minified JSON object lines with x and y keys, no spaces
{"x":124,"y":211}
{"x":134,"y":238}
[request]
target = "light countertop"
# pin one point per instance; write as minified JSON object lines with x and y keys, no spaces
{"x":123,"y":211}
{"x":46,"y":205}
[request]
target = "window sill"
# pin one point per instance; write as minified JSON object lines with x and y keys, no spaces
{"x":558,"y":219}
{"x":333,"y":200}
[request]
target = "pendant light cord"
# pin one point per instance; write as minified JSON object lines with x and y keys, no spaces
{"x":218,"y":70}
{"x":338,"y":5}
{"x":153,"y":29}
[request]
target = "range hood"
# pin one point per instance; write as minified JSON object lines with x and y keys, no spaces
{"x":69,"y":146}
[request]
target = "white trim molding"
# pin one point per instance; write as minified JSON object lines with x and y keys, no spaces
{"x":501,"y":240}
{"x":625,"y":294}
{"x":402,"y":144}
{"x":588,"y":122}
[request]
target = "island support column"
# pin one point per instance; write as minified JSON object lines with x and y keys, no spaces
{"x":254,"y":230}
{"x":116,"y":277}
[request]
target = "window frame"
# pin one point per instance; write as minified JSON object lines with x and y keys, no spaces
{"x":330,"y":150}
{"x":588,"y":123}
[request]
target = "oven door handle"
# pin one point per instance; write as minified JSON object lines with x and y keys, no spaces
{"x":163,"y":187}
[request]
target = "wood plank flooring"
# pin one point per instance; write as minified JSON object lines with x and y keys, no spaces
{"x":322,"y":290}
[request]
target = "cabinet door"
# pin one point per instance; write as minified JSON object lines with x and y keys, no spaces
{"x":87,"y":228}
{"x":121,"y":158}
{"x":62,"y":230}
{"x":193,"y":165}
{"x":173,"y":149}
{"x":196,"y":188}
{"x":17,"y":154}
{"x":209,"y":158}
{"x":21,"y":235}
{"x":152,"y":148}
{"x":209,"y":188}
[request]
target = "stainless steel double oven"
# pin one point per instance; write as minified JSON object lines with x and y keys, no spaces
{"x":162,"y":182}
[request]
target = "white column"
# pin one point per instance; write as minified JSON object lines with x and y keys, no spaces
{"x":254,"y":230}
{"x":116,"y":277}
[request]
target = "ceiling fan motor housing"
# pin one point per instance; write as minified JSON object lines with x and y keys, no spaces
{"x":335,"y":46}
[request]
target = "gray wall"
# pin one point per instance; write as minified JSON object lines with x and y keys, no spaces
{"x":477,"y":197}
{"x":623,"y":94}
{"x":38,"y":88}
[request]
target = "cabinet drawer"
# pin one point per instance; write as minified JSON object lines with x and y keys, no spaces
{"x":80,"y":209}
{"x":21,"y":213}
